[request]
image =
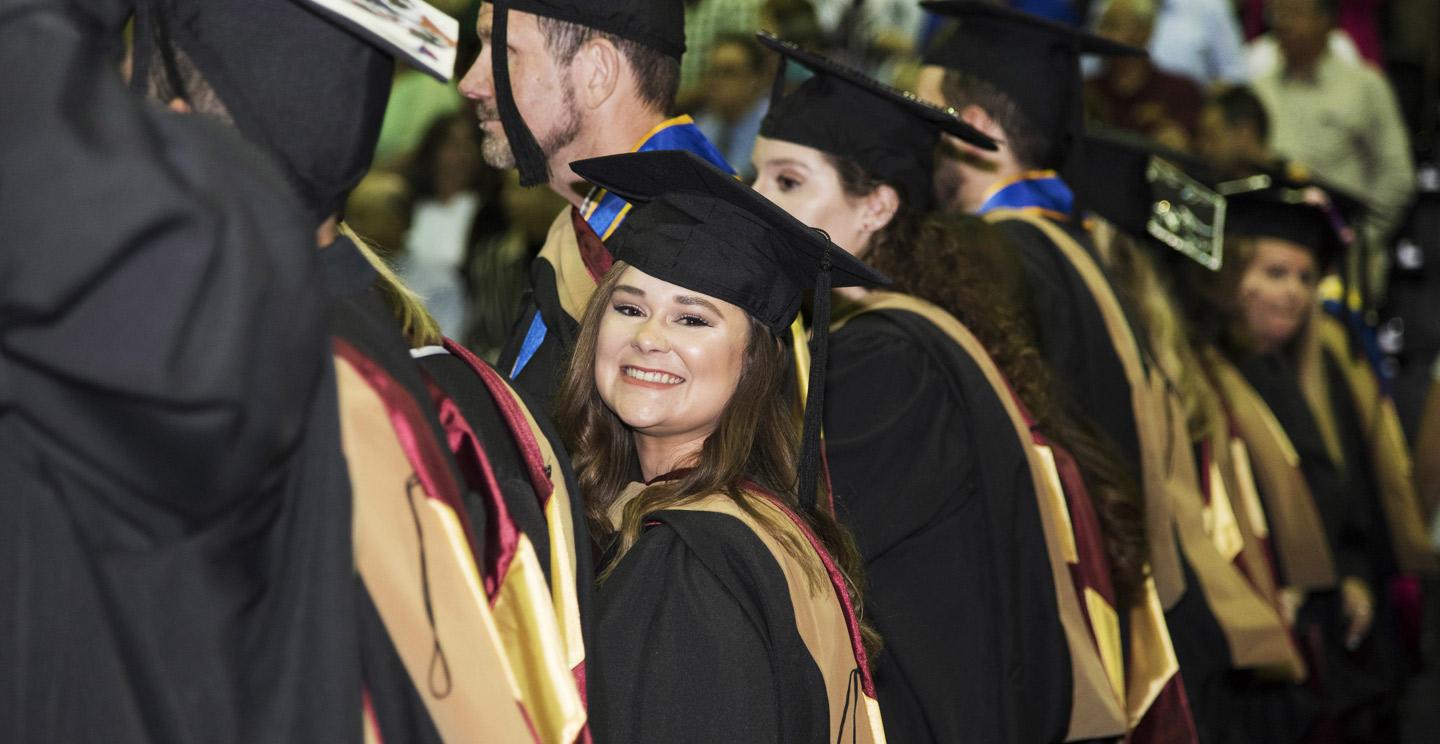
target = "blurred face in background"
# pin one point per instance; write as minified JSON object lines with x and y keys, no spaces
{"x":1301,"y":28}
{"x":734,"y":81}
{"x":1232,"y":147}
{"x":1277,"y":292}
{"x":1128,"y":22}
{"x":457,"y":158}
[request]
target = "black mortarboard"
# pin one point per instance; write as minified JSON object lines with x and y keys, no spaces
{"x":699,"y":227}
{"x":1292,"y":205}
{"x":1036,"y":62}
{"x":657,"y":24}
{"x":889,"y":132}
{"x":1146,"y":189}
{"x":300,"y":79}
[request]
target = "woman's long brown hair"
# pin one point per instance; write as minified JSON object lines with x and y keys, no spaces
{"x":756,"y":440}
{"x":966,"y":266}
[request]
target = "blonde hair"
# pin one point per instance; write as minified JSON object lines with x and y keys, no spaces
{"x":1150,"y":295}
{"x":416,"y":322}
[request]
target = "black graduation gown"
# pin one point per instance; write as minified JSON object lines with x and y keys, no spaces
{"x":1347,"y":681}
{"x":174,"y":516}
{"x":1383,"y":653}
{"x":1072,"y":335}
{"x":930,"y":478}
{"x":696,"y":642}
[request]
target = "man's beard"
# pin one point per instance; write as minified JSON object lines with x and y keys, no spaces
{"x":496,"y":148}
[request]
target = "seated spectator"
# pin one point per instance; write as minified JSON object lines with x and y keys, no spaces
{"x":1336,"y":116}
{"x":1130,"y":93}
{"x":1234,"y":132}
{"x":736,"y":84}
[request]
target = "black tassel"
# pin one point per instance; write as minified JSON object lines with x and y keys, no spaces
{"x":815,"y":394}
{"x":529,"y":158}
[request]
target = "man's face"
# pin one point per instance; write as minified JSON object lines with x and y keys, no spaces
{"x":1301,"y":27}
{"x":541,"y":86}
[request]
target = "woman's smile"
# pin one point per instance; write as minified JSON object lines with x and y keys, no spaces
{"x":652,"y":378}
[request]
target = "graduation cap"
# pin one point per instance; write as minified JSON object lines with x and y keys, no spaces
{"x":308,"y":80}
{"x":1147,"y":189}
{"x":699,"y":227}
{"x":657,"y":24}
{"x":841,"y":111}
{"x":1035,"y":61}
{"x":1290,"y":204}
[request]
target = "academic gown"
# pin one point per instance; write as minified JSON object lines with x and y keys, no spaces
{"x":175,"y":523}
{"x":1072,"y":335}
{"x":435,"y":665}
{"x":707,"y":631}
{"x":515,"y":466}
{"x":1383,"y":654}
{"x":931,"y":479}
{"x":1078,"y":345}
{"x":1345,"y":680}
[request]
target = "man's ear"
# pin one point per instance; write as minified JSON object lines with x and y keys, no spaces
{"x":981,"y":120}
{"x":595,"y":72}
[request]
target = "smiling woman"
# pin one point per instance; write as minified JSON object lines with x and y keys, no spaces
{"x":727,"y":611}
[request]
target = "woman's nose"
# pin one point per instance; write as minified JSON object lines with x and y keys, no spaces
{"x":650,"y":336}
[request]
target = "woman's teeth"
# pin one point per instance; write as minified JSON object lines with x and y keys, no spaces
{"x":659,"y":377}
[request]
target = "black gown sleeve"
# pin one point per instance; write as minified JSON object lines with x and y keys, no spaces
{"x":696,"y":642}
{"x":932,"y":480}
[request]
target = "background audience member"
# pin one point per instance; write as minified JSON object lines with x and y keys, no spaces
{"x":1336,"y":116}
{"x":736,"y":86}
{"x":455,"y":199}
{"x":1131,"y":93}
{"x":1234,"y":133}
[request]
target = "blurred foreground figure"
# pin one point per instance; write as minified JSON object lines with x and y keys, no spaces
{"x":175,"y":526}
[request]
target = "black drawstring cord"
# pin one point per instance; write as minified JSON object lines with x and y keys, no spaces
{"x":853,"y":694}
{"x":530,"y":159}
{"x":815,"y":393}
{"x":437,"y":657}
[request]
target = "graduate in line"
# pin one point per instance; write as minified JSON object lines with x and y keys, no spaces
{"x":437,"y":661}
{"x":1157,"y":227}
{"x":174,"y":530}
{"x":1012,"y":624}
{"x":728,"y":604}
{"x":1329,"y":532}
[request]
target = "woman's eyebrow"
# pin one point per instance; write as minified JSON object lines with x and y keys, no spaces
{"x":627,"y":289}
{"x":696,"y":300}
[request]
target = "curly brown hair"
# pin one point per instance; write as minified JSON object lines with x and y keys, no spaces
{"x":965,"y":265}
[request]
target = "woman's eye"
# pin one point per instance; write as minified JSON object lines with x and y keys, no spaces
{"x":693,"y":320}
{"x":629,"y":310}
{"x":1275,"y":272}
{"x":786,"y":183}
